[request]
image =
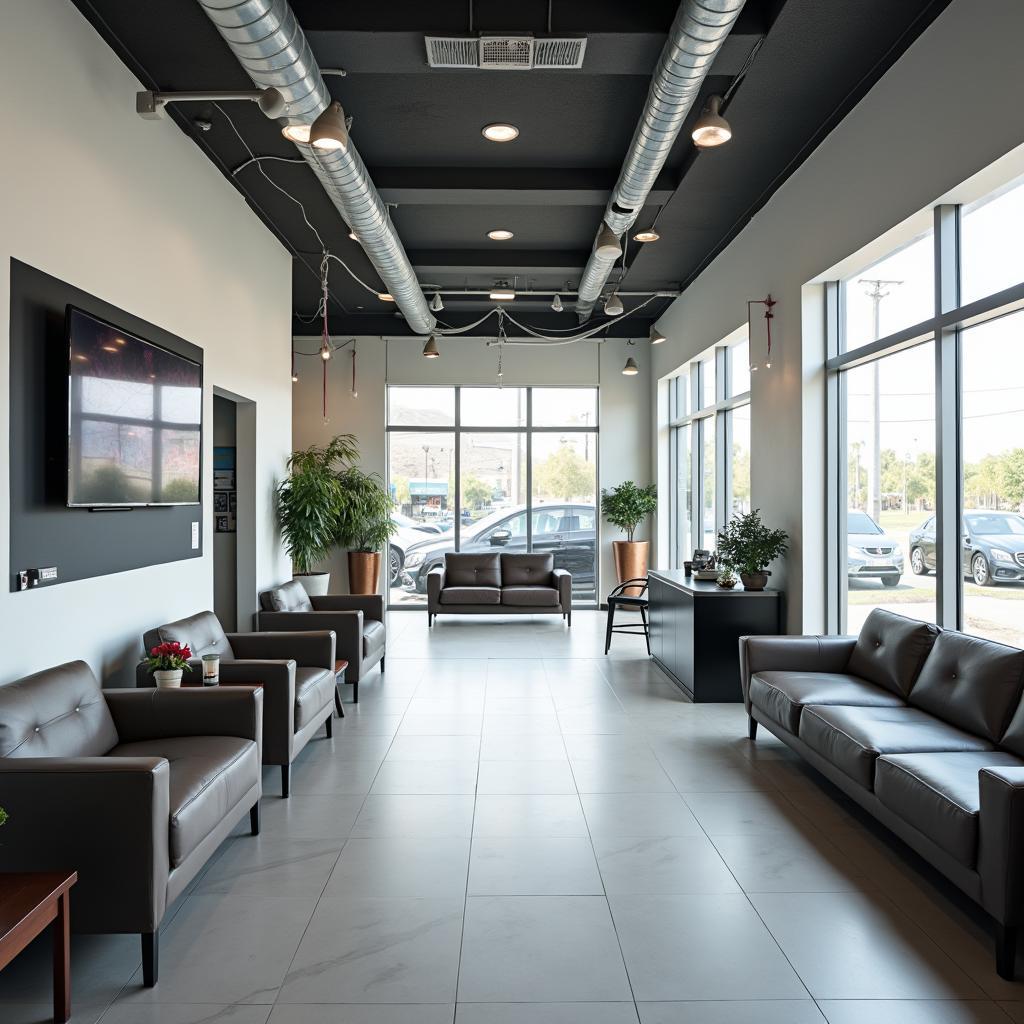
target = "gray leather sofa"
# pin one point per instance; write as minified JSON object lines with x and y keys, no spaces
{"x":924,"y":728}
{"x":296,"y":671}
{"x":493,"y":584}
{"x":357,"y":621}
{"x":133,"y":789}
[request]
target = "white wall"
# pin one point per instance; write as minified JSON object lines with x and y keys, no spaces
{"x":948,"y":108}
{"x":131,"y":211}
{"x":625,"y":424}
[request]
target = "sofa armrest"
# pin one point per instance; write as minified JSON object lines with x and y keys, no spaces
{"x":73,"y":813}
{"x":1001,"y":843}
{"x":346,"y":625}
{"x":371,"y":605}
{"x":212,"y":711}
{"x":277,"y":679}
{"x":309,"y":648}
{"x":562,"y":580}
{"x":435,"y":584}
{"x":792,"y":654}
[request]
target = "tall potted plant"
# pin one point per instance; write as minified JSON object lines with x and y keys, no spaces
{"x":364,"y":525}
{"x":749,"y":547}
{"x":309,"y":505}
{"x":626,"y":507}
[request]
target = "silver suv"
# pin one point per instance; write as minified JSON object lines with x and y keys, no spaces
{"x":870,"y":552}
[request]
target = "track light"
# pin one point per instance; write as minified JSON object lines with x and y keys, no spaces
{"x":613,"y":305}
{"x":296,"y":133}
{"x":711,"y":129}
{"x":328,"y":131}
{"x":647,"y":235}
{"x":556,"y":303}
{"x":607,"y":244}
{"x":436,"y":303}
{"x":656,"y":337}
{"x":630,"y":369}
{"x":502,"y":293}
{"x":430,"y":348}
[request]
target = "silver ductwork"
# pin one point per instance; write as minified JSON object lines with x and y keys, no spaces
{"x":270,"y":45}
{"x":697,"y":34}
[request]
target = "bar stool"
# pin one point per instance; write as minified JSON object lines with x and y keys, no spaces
{"x":619,"y":599}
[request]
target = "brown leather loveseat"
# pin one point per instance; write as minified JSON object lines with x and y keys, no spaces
{"x":924,"y":728}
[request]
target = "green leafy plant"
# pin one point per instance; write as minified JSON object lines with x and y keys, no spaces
{"x":627,"y":506}
{"x":748,"y":546}
{"x":727,"y":579}
{"x":309,"y":500}
{"x":3,"y":816}
{"x":364,"y":520}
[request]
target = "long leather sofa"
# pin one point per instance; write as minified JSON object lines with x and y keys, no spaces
{"x":924,"y":728}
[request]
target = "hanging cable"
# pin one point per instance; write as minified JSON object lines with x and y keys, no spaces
{"x":257,"y":159}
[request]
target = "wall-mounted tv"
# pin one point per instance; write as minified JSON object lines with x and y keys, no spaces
{"x":135,"y":419}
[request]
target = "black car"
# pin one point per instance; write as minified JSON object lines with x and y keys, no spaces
{"x":992,"y":549}
{"x":569,"y":531}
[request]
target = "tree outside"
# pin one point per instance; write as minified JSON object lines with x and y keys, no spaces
{"x":564,"y":475}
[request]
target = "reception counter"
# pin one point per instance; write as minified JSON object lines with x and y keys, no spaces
{"x":695,"y":631}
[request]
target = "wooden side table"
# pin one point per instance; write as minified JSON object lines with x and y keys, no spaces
{"x":339,"y":681}
{"x":29,"y":901}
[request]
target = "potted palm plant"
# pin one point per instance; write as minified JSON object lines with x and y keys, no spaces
{"x":308,"y":506}
{"x":749,"y":547}
{"x":364,"y":525}
{"x":626,"y":507}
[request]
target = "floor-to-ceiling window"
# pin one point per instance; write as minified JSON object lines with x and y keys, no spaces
{"x":709,"y":410}
{"x":926,"y":426}
{"x":492,"y":469}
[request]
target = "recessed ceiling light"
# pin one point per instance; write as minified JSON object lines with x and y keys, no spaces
{"x":500,"y":132}
{"x":296,"y":132}
{"x":385,"y":297}
{"x":647,"y":235}
{"x":109,"y":348}
{"x":120,"y":341}
{"x":500,"y":235}
{"x":502,"y":294}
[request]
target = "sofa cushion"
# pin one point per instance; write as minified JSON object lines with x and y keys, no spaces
{"x":374,"y":636}
{"x":530,"y":597}
{"x":527,"y":570}
{"x":289,"y":597}
{"x":938,"y":795}
{"x":972,"y":683}
{"x":852,"y":738}
{"x":471,"y":595}
{"x":202,"y":632}
{"x":59,"y":712}
{"x":314,"y":688}
{"x":208,"y":776}
{"x":472,"y":570}
{"x":782,"y":695}
{"x":891,"y":650}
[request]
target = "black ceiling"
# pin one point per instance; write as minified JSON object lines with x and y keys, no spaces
{"x":418,"y":131}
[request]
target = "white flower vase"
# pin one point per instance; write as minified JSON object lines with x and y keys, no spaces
{"x":168,"y":678}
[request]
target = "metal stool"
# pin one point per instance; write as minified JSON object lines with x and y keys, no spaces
{"x":619,"y":599}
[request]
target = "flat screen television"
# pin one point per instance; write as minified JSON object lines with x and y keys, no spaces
{"x":134,"y":419}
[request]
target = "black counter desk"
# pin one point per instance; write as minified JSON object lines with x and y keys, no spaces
{"x":695,"y":631}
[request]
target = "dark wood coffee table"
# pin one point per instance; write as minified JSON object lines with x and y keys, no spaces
{"x":29,"y":901}
{"x":339,"y":681}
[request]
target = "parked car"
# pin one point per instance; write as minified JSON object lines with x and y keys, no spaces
{"x":408,"y":532}
{"x":992,"y":550}
{"x":569,"y":531}
{"x":870,"y":552}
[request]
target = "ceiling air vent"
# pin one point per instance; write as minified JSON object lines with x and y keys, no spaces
{"x":504,"y":53}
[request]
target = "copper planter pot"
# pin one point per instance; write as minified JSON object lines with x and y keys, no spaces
{"x":363,"y":572}
{"x":630,"y":561}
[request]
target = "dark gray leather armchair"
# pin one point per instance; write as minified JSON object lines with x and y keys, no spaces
{"x":493,"y":584}
{"x":924,"y":728}
{"x":133,"y":789}
{"x":357,"y":621}
{"x":296,"y":671}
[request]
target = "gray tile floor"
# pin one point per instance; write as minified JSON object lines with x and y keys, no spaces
{"x":511,"y":828}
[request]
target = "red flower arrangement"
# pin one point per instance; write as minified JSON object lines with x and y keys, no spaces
{"x":169,"y":657}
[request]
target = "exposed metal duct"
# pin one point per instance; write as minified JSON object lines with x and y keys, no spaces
{"x":697,"y":34}
{"x":270,"y":45}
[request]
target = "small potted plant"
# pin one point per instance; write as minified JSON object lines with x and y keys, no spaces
{"x":364,"y":525}
{"x":3,"y":816}
{"x":747,"y":545}
{"x":626,"y":507}
{"x":167,"y":662}
{"x":727,"y":579}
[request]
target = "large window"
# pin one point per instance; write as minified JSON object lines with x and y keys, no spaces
{"x":492,"y":469}
{"x":709,"y":409}
{"x":926,"y":423}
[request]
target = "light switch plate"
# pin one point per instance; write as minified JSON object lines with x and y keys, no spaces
{"x":195,"y":536}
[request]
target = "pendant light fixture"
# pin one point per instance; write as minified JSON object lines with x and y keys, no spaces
{"x":325,"y":351}
{"x":556,"y":303}
{"x":607,"y":244}
{"x":436,"y":303}
{"x":646,"y":235}
{"x":329,"y":131}
{"x":711,"y":129}
{"x":656,"y":337}
{"x":430,"y":350}
{"x":613,"y":305}
{"x":630,"y":369}
{"x":296,"y":133}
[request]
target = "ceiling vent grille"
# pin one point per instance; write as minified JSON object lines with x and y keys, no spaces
{"x":504,"y":53}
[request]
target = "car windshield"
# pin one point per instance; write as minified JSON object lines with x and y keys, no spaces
{"x":861,"y":522}
{"x":996,"y":524}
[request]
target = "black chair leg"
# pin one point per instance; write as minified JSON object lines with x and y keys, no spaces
{"x":1006,"y":951}
{"x":355,"y":692}
{"x":329,"y":723}
{"x":382,"y":664}
{"x":608,"y":630}
{"x":150,"y":958}
{"x":254,"y":818}
{"x":568,"y":620}
{"x":647,"y":629}
{"x":286,"y":772}
{"x":752,"y":728}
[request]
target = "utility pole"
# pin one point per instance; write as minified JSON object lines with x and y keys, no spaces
{"x":877,"y":290}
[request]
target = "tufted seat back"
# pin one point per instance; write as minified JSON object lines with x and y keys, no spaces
{"x":527,"y":570}
{"x":890,"y":650}
{"x":472,"y":570}
{"x":59,"y":712}
{"x":289,"y":597}
{"x":202,"y":632}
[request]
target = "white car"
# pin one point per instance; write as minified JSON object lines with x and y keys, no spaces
{"x":408,"y":532}
{"x":870,"y":551}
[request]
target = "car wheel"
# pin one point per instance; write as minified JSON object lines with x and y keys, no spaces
{"x":980,"y":570}
{"x":917,"y":563}
{"x":890,"y":581}
{"x":395,"y":561}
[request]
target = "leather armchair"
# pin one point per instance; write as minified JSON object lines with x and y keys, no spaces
{"x":162,"y":776}
{"x":295,"y":670}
